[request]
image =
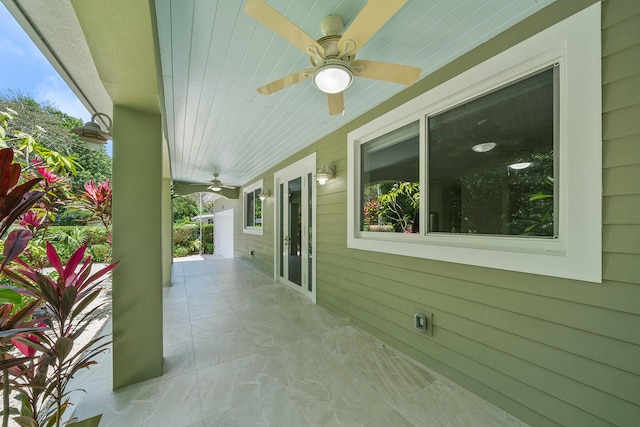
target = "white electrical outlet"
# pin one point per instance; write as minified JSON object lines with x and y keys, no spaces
{"x":423,"y":322}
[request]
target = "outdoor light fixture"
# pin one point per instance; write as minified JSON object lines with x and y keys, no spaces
{"x":324,"y":174}
{"x":264,"y":195}
{"x":92,"y":134}
{"x":333,"y":76}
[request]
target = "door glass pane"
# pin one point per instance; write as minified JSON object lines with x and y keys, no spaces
{"x":281,"y":230}
{"x":310,"y":230}
{"x":294,"y":225}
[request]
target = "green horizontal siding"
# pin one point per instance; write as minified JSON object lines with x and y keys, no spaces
{"x":621,"y":239}
{"x":621,"y":209}
{"x":621,"y":151}
{"x":621,"y":93}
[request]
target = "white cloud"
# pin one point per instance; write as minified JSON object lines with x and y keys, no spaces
{"x":11,"y":49}
{"x":55,"y":91}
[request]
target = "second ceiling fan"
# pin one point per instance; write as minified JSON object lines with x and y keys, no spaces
{"x":333,"y":55}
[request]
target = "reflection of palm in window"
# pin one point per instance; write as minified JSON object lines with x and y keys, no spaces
{"x":390,"y":188}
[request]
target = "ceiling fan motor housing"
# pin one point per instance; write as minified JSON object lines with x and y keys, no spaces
{"x":330,"y":46}
{"x":331,"y":25}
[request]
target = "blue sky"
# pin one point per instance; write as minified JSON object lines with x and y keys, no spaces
{"x":24,"y":68}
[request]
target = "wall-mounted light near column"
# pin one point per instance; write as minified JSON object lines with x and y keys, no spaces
{"x":92,"y":133}
{"x":264,"y":195}
{"x":324,"y":174}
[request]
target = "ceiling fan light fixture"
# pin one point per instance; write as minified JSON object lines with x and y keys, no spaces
{"x":216,"y":184}
{"x":332,"y":77}
{"x":519,"y":166}
{"x":484,"y":147}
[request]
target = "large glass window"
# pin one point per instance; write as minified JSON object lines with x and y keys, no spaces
{"x":390,"y":181}
{"x":253,"y":208}
{"x":491,"y":161}
{"x":499,"y":166}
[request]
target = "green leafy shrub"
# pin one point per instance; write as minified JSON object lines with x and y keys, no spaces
{"x":101,"y":253}
{"x":98,"y":235}
{"x":207,"y":238}
{"x":183,"y":235}
{"x":66,"y":240}
{"x":186,"y":237}
{"x":180,"y":251}
{"x":73,"y":217}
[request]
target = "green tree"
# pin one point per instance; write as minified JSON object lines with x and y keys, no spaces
{"x":184,"y":208}
{"x":52,"y":128}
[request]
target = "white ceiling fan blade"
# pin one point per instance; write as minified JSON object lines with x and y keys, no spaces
{"x":371,"y":18}
{"x":287,"y":81}
{"x":386,"y":71}
{"x":277,"y":22}
{"x":336,"y":103}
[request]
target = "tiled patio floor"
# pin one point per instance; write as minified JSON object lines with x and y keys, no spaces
{"x":243,"y":350}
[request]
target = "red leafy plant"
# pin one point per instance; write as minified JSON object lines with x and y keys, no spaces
{"x":15,"y":200}
{"x":69,"y":294}
{"x":97,"y":199}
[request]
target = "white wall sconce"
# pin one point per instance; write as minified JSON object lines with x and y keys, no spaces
{"x":92,"y":133}
{"x":264,"y":195}
{"x":324,"y":174}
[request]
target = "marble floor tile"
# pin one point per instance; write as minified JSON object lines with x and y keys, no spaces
{"x":337,"y":398}
{"x":391,"y":419}
{"x":242,"y":300}
{"x":179,"y":359}
{"x":215,"y":325}
{"x":153,"y":403}
{"x":298,"y":360}
{"x":232,"y":384}
{"x":175,"y":314}
{"x":347,"y":343}
{"x":195,"y":292}
{"x":272,"y":334}
{"x":223,"y":348}
{"x":275,"y":409}
{"x":211,"y":308}
{"x":444,"y":403}
{"x":175,"y":291}
{"x":393,"y":376}
{"x":176,"y":333}
{"x":243,"y":350}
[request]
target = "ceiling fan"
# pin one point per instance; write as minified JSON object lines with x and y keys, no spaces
{"x":333,"y":56}
{"x":216,"y":185}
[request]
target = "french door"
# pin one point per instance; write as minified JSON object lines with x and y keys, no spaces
{"x":295,"y":221}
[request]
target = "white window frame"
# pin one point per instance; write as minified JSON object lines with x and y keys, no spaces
{"x":245,"y":191}
{"x":574,"y":44}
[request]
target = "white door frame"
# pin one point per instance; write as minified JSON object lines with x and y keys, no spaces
{"x":301,"y":168}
